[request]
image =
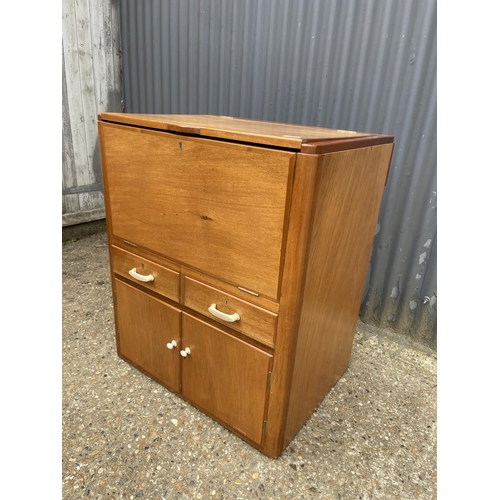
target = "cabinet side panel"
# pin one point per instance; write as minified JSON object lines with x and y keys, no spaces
{"x":109,"y":228}
{"x":351,"y":185}
{"x":292,"y":285}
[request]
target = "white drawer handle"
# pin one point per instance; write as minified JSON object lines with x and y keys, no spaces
{"x":140,"y":277}
{"x":225,"y":317}
{"x":185,"y":352}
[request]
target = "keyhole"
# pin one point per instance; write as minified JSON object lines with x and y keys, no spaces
{"x":180,"y":145}
{"x":226,"y":302}
{"x":142,"y":265}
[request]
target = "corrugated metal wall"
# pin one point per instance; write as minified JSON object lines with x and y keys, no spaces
{"x":360,"y":65}
{"x":91,"y":83}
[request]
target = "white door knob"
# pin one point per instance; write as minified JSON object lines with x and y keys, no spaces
{"x":172,"y":344}
{"x":185,"y":352}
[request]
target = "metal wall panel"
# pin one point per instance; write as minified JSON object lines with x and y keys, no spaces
{"x":91,"y":78}
{"x":366,"y":65}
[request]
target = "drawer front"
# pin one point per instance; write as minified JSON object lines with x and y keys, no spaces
{"x":251,"y":320}
{"x":225,"y":376}
{"x":217,"y":207}
{"x":165,"y":281}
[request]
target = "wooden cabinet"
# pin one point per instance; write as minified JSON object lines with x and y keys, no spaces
{"x":238,"y":254}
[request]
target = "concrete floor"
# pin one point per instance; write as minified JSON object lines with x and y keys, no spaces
{"x":126,"y":437}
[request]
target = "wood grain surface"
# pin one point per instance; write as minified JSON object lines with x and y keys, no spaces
{"x":212,"y":218}
{"x":166,"y":281}
{"x":144,"y":327}
{"x":303,"y":200}
{"x":253,"y":131}
{"x":225,"y":376}
{"x":254,"y":321}
{"x":231,"y":288}
{"x":351,"y":184}
{"x":217,"y":208}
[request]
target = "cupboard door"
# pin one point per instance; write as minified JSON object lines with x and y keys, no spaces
{"x":225,"y":376}
{"x":145,"y":327}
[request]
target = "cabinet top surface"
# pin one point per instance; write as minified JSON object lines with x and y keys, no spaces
{"x":312,"y":140}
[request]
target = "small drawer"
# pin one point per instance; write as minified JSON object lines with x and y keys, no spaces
{"x":149,"y":275}
{"x":228,"y":310}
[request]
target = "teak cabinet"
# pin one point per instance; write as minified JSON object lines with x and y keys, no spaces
{"x":238,"y":253}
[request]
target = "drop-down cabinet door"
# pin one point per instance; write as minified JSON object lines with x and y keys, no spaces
{"x":148,"y":334}
{"x":214,"y":206}
{"x":225,"y":376}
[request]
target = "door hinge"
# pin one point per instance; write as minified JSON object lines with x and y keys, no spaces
{"x":269,"y":379}
{"x":264,"y":427}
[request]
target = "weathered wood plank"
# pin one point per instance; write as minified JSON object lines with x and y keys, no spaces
{"x":91,"y":84}
{"x":86,"y":201}
{"x":114,"y":73}
{"x":83,"y":216}
{"x":75,"y":103}
{"x":71,"y":204}
{"x":106,"y":54}
{"x":98,"y":37}
{"x":69,"y":178}
{"x":97,"y":199}
{"x":86,"y":64}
